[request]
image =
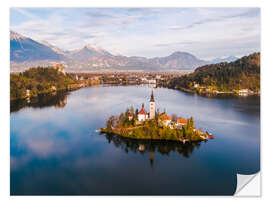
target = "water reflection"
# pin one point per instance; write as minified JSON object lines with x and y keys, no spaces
{"x":51,"y":152}
{"x":59,"y":100}
{"x":151,"y":147}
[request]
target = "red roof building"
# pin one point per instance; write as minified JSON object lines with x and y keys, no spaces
{"x":165,"y":117}
{"x":182,"y":121}
{"x":142,"y":111}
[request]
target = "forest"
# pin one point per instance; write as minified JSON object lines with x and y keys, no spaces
{"x":243,"y":73}
{"x":38,"y":81}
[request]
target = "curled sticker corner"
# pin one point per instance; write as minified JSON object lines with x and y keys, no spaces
{"x":244,"y":181}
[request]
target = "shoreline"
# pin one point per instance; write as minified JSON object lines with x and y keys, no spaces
{"x":77,"y":86}
{"x":105,"y":131}
{"x":204,"y":93}
{"x":72,"y":87}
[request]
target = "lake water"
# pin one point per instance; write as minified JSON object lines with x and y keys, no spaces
{"x":55,"y":149}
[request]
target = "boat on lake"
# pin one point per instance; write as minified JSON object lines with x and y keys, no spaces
{"x":210,"y":135}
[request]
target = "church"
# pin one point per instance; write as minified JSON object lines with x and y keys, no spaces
{"x":143,"y":115}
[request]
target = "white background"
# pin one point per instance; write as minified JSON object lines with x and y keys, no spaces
{"x":4,"y":99}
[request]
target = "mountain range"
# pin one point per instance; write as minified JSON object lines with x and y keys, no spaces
{"x":26,"y":52}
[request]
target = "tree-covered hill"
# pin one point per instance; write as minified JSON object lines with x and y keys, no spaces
{"x":243,"y":73}
{"x":38,"y":81}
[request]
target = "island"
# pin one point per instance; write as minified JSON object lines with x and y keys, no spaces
{"x":154,"y":125}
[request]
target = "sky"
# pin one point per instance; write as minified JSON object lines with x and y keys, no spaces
{"x":150,"y":32}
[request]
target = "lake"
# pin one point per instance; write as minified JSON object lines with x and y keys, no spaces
{"x":55,"y":149}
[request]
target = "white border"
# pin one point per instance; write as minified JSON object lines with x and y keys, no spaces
{"x":265,"y":101}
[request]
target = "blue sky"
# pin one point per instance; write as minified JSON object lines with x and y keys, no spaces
{"x":205,"y":32}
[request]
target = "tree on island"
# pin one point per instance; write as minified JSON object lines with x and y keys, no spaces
{"x":111,"y":122}
{"x":155,"y":129}
{"x":174,"y":117}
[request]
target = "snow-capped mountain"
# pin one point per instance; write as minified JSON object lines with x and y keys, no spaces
{"x":54,"y":48}
{"x":87,"y":52}
{"x":25,"y":52}
{"x":25,"y":49}
{"x":16,"y":36}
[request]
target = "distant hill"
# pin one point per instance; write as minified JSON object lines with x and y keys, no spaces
{"x":226,"y":59}
{"x":179,"y":59}
{"x":243,"y":73}
{"x":26,"y":52}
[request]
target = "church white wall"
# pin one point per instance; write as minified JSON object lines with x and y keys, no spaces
{"x":141,"y":117}
{"x":152,"y":110}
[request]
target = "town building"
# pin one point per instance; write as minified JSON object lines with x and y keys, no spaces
{"x":27,"y":93}
{"x":152,"y":81}
{"x":53,"y":88}
{"x":243,"y":92}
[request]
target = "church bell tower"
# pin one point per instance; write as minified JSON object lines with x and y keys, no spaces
{"x":152,"y":107}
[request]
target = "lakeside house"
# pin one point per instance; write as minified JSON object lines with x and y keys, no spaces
{"x":181,"y":122}
{"x":243,"y":92}
{"x":152,"y":81}
{"x":240,"y":92}
{"x":164,"y":119}
{"x":53,"y":88}
{"x":27,"y":93}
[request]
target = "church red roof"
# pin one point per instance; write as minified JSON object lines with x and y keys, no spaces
{"x":165,"y":117}
{"x":142,"y":111}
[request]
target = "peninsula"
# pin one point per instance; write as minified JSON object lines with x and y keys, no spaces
{"x":45,"y":80}
{"x":240,"y":77}
{"x":153,"y":125}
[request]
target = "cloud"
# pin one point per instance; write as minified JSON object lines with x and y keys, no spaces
{"x":24,"y":12}
{"x":148,"y":32}
{"x":99,"y":17}
{"x":99,"y":14}
{"x":176,"y":44}
{"x":250,"y":13}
